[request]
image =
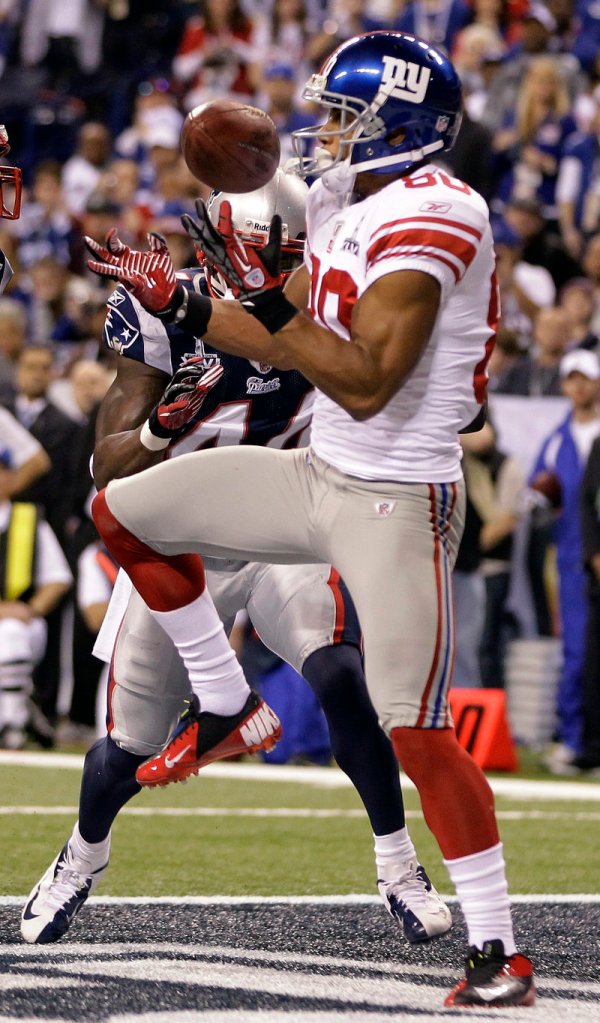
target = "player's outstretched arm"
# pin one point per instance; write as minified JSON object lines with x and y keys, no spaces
{"x":126,"y":406}
{"x":390,"y":327}
{"x":391,"y":323}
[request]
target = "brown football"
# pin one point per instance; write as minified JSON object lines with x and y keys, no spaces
{"x":230,"y":146}
{"x":548,"y":484}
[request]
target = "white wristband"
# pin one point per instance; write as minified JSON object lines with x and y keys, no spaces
{"x":151,"y":441}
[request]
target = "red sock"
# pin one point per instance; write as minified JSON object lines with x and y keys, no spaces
{"x":457,"y":801}
{"x":164,"y":583}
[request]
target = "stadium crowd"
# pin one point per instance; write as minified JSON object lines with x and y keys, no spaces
{"x":93,"y":94}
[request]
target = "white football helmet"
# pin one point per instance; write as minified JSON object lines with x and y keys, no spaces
{"x":251,"y":214}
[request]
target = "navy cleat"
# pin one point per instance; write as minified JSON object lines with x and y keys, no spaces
{"x":416,"y":906}
{"x":57,"y":898}
{"x":494,"y":979}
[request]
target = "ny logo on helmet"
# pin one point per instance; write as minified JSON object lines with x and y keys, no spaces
{"x":403,"y":80}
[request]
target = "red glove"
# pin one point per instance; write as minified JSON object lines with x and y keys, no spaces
{"x":150,"y":276}
{"x":182,"y":399}
{"x":245,"y":268}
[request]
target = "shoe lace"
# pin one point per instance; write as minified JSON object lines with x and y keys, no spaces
{"x":68,"y":882}
{"x":486,"y":965}
{"x":408,"y":887}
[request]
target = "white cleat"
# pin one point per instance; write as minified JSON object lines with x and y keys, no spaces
{"x":58,"y":897}
{"x":415,"y":905}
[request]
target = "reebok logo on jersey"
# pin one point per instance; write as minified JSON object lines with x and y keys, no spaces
{"x":435,"y":207}
{"x":262,"y":723}
{"x":403,"y":80}
{"x":116,"y":298}
{"x":254,"y":385}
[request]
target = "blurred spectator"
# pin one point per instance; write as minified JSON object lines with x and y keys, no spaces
{"x":478,"y":51}
{"x":470,"y":158}
{"x":524,"y":288}
{"x":64,"y":37}
{"x":100,"y":214}
{"x":591,"y":267}
{"x":577,"y":188}
{"x":541,"y":244}
{"x":13,"y":333}
{"x":564,"y":454}
{"x":44,"y":229}
{"x":577,"y":299}
{"x":90,"y":381}
{"x":280,"y":36}
{"x":57,"y":434}
{"x":34,"y":577}
{"x":155,"y":108}
{"x":537,"y":38}
{"x":215,"y":53}
{"x":530,"y":141}
{"x":589,"y":756}
{"x":496,"y":484}
{"x":503,"y":17}
{"x":48,"y":281}
{"x":96,"y":574}
{"x":27,"y":459}
{"x":82,"y":171}
{"x":505,"y":354}
{"x":181,"y":246}
{"x":278,"y":86}
{"x":437,"y":21}
{"x":537,"y":372}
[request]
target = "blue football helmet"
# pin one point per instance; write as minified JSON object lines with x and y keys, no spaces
{"x":398,"y":100}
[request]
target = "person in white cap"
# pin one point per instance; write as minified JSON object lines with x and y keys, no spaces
{"x":564,"y":455}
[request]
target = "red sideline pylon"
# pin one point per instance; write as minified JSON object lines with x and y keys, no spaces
{"x":482,"y":727}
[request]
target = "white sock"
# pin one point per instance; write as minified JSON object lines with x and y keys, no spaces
{"x":15,"y":688}
{"x":392,"y":853}
{"x":215,"y":673}
{"x":480,"y":882}
{"x":94,"y":854}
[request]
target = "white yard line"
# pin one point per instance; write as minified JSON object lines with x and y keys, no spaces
{"x":327,"y":777}
{"x":281,"y":811}
{"x":290,"y":900}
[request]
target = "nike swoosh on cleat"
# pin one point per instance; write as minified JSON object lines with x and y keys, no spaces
{"x":171,"y":761}
{"x":489,"y":994}
{"x":28,"y":915}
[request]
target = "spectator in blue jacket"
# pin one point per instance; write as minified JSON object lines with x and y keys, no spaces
{"x":565,"y":453}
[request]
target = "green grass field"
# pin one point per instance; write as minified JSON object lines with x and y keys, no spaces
{"x":551,"y":846}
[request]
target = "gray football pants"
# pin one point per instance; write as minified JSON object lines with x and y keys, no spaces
{"x":394,"y":545}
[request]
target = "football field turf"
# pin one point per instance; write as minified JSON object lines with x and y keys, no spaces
{"x":268,"y":905}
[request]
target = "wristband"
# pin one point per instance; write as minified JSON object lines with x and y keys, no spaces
{"x":150,"y":441}
{"x":186,"y":305}
{"x":271,"y":308}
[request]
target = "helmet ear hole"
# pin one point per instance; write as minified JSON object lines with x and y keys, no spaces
{"x":396,"y":138}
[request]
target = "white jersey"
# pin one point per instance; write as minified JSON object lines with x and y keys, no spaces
{"x":434,"y":223}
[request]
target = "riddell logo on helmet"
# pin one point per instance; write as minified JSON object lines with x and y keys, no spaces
{"x":403,"y":80}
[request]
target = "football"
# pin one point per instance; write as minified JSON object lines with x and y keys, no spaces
{"x":549,"y":486}
{"x":230,"y":146}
